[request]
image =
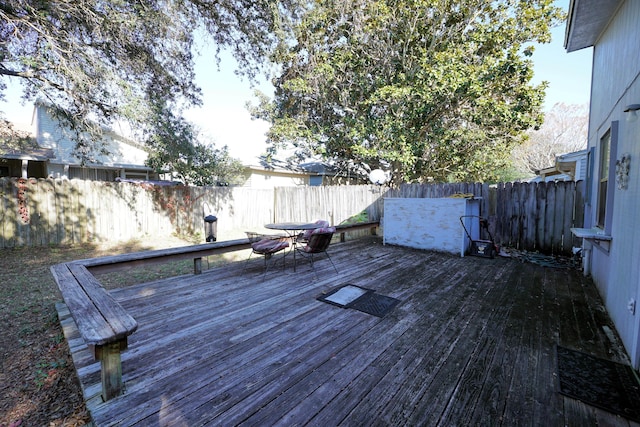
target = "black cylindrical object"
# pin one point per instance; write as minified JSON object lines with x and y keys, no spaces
{"x":211,"y":227}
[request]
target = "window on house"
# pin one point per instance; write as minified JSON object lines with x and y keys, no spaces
{"x":608,"y":149}
{"x":603,"y":178}
{"x":315,"y":180}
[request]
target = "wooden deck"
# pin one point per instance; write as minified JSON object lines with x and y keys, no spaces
{"x":471,"y":343}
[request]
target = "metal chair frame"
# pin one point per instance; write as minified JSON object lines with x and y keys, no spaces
{"x":261,"y":248}
{"x":318,"y":243}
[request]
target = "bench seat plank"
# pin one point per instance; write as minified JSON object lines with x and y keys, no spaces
{"x":119,"y":262}
{"x":83,"y":311}
{"x":99,"y":317}
{"x":343,"y":228}
{"x":102,"y":322}
{"x":357,"y":226}
{"x":120,"y":322}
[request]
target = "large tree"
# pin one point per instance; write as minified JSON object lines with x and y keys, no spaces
{"x":430,"y":89}
{"x":101,"y":61}
{"x":180,"y":148}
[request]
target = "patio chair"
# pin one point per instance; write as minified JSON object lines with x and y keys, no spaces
{"x":319,"y":241}
{"x":304,"y":236}
{"x":267,"y":247}
{"x":256,"y":237}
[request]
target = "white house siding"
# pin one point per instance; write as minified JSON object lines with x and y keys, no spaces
{"x":581,"y":169}
{"x":123,"y":154}
{"x":580,"y":158}
{"x":48,"y":135}
{"x":615,"y":84}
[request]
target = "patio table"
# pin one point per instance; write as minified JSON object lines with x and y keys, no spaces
{"x":292,"y":229}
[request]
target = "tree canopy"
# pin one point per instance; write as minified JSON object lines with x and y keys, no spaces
{"x":101,"y":61}
{"x":428,"y":89}
{"x":178,"y":147}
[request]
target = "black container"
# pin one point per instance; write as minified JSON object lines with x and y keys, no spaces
{"x":211,"y":227}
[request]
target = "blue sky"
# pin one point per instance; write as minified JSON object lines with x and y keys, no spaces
{"x":224,"y":118}
{"x":568,"y":74}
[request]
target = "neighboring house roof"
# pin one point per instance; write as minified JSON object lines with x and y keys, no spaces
{"x":587,"y":19}
{"x":47,"y":141}
{"x":275,"y":166}
{"x":18,"y":142}
{"x":156,"y":182}
{"x":567,"y":167}
{"x":573,"y":164}
{"x":318,"y":168}
{"x":274,"y":170}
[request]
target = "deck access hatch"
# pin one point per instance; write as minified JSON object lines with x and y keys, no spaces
{"x":361,"y":299}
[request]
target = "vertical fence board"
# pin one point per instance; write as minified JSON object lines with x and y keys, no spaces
{"x":518,"y":213}
{"x":4,"y":215}
{"x":558,"y":222}
{"x":509,"y":225}
{"x":62,"y":191}
{"x":9,"y":213}
{"x":540,"y":212}
{"x":567,"y":217}
{"x":45,"y":191}
{"x":33,"y":226}
{"x":578,"y":212}
{"x":502,"y":215}
{"x":80,"y":189}
{"x":549,"y":215}
{"x":530,"y":206}
{"x":499,"y":207}
{"x":44,"y":201}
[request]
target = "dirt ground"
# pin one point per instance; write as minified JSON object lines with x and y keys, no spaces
{"x":38,"y":384}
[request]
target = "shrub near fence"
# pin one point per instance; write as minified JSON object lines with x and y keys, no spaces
{"x":530,"y":216}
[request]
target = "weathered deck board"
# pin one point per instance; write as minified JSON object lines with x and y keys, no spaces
{"x":472,"y":342}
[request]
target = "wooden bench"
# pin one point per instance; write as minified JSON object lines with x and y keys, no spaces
{"x":343,"y":228}
{"x":196,"y":252}
{"x":103,"y":323}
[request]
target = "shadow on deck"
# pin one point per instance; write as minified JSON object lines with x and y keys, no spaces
{"x":472,"y":342}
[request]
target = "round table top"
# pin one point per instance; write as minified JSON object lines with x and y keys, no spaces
{"x":291,"y":226}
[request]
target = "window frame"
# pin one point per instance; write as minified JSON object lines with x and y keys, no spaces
{"x":606,"y":178}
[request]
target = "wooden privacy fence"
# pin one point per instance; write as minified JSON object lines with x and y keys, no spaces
{"x":539,"y":216}
{"x":527,"y":216}
{"x":52,"y":212}
{"x":530,"y":216}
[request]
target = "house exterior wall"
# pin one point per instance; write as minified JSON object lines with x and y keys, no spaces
{"x":581,"y":169}
{"x":615,"y":84}
{"x":270,"y":179}
{"x":125,"y":159}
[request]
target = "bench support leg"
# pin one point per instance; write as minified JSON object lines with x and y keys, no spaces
{"x":111,"y":368}
{"x":197,"y":265}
